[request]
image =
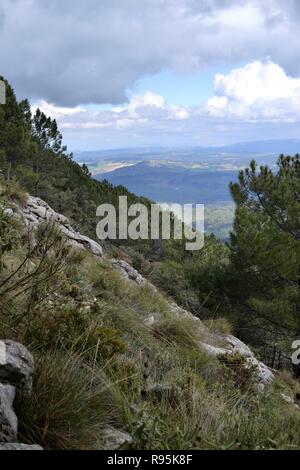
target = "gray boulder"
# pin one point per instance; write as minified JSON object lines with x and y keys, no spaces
{"x":8,"y":419}
{"x":36,"y":211}
{"x":16,"y":365}
{"x":19,"y":446}
{"x":16,"y":369}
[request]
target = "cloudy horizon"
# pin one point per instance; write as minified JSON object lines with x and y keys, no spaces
{"x":160,"y":72}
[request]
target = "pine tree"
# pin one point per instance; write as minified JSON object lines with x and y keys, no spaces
{"x":46,"y":133}
{"x":265,"y":244}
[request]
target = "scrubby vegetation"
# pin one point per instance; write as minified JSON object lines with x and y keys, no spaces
{"x":99,"y":362}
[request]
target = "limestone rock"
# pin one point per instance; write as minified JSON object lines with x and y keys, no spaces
{"x":265,"y":376}
{"x":290,"y":400}
{"x":149,"y":321}
{"x":16,"y":369}
{"x":214,"y":350}
{"x":16,"y":365}
{"x":8,"y":419}
{"x":36,"y":211}
{"x":9,"y":212}
{"x":19,"y":446}
{"x":114,"y":439}
{"x":182,"y":313}
{"x":237,"y":346}
{"x":129,"y":272}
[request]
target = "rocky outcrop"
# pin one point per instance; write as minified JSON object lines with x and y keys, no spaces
{"x":19,"y":446}
{"x":16,"y":369}
{"x":36,"y":211}
{"x":128,"y":272}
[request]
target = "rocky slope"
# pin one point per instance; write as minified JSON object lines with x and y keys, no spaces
{"x":36,"y":211}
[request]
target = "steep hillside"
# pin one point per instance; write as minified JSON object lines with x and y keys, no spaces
{"x":131,"y":337}
{"x":117,"y":362}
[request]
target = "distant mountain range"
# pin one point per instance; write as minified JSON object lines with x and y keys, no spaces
{"x":270,"y":147}
{"x":275,"y":147}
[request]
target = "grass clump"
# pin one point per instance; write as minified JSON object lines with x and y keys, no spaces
{"x":218,"y":325}
{"x":179,"y":331}
{"x":12,"y":190}
{"x":69,"y":406}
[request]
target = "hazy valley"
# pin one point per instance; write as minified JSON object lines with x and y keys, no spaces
{"x":186,"y":175}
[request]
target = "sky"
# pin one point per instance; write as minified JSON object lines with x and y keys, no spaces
{"x":132,"y":73}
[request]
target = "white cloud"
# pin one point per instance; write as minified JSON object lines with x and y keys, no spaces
{"x":259,"y":90}
{"x":179,"y":112}
{"x":141,"y":109}
{"x":145,"y":100}
{"x":56,"y":112}
{"x":257,"y":101}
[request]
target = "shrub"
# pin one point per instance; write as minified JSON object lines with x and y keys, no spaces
{"x":9,"y":233}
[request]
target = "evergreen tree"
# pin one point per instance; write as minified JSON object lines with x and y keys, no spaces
{"x":265,"y":245}
{"x":46,"y":133}
{"x":14,"y":132}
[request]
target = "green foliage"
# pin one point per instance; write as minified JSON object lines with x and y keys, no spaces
{"x":13,"y":191}
{"x":9,"y":233}
{"x":95,"y":357}
{"x":265,"y":246}
{"x":46,"y":133}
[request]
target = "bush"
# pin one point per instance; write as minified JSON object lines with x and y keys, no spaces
{"x":9,"y":233}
